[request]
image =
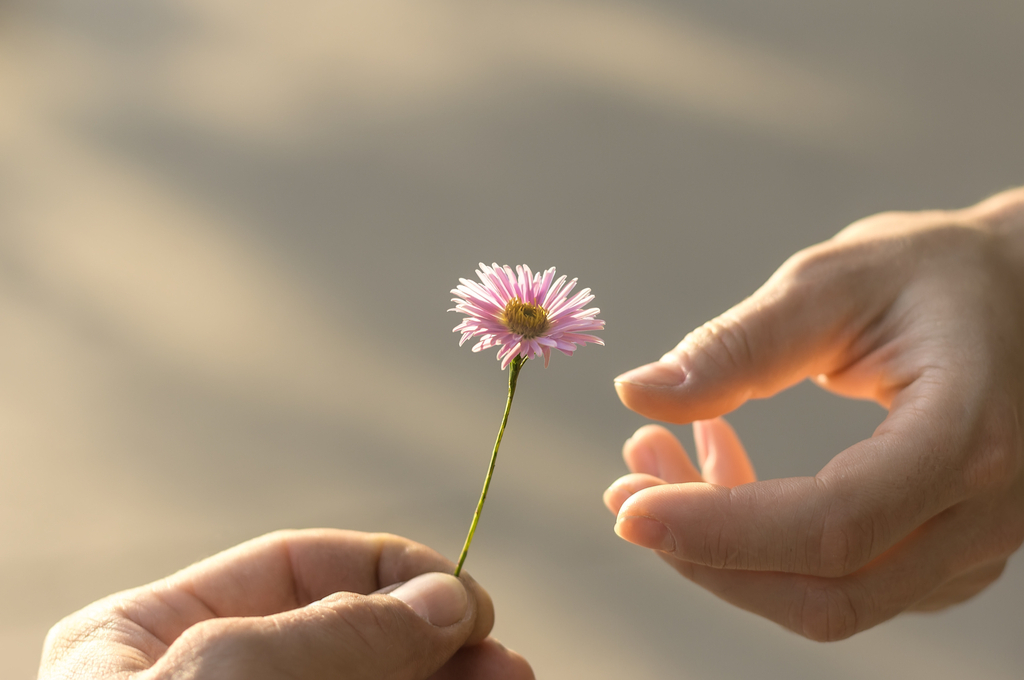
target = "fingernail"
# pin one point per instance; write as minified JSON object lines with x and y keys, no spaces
{"x":437,"y":598}
{"x":657,"y":374}
{"x":614,"y":496}
{"x":646,"y":532}
{"x":645,"y":461}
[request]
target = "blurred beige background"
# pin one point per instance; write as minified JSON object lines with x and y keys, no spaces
{"x":228,"y":231}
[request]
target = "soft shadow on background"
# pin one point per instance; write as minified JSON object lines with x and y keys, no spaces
{"x":228,"y":231}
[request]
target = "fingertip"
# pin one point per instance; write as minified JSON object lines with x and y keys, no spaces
{"x":439,"y":599}
{"x":654,"y":450}
{"x":638,"y":454}
{"x":613,"y":499}
{"x":651,"y":390}
{"x":483,"y":605}
{"x":505,"y":663}
{"x":632,"y":397}
{"x":664,"y":373}
{"x":624,"y":487}
{"x":639,"y":523}
{"x":488,"y":660}
{"x":675,"y":505}
{"x":646,"y":532}
{"x":724,"y":459}
{"x":676,"y":404}
{"x":516,"y":667}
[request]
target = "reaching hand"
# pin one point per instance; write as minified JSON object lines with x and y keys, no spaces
{"x":291,"y":605}
{"x":921,"y":312}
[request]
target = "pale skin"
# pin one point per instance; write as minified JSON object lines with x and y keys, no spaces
{"x":922,"y":313}
{"x":316,"y":604}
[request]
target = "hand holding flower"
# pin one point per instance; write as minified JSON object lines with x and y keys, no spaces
{"x":313,"y":604}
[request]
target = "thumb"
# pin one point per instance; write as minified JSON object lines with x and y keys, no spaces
{"x":406,"y":634}
{"x":795,"y":325}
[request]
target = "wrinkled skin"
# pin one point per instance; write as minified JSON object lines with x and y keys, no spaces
{"x":296,"y":605}
{"x":920,"y":312}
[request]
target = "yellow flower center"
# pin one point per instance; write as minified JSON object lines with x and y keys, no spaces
{"x":525,"y":319}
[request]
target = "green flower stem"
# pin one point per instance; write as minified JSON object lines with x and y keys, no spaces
{"x":513,"y":377}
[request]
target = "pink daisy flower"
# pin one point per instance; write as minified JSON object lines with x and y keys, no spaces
{"x":526,"y":314}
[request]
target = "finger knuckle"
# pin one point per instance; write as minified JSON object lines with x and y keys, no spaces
{"x":828,"y":269}
{"x":717,"y":550}
{"x":879,"y":224}
{"x":370,"y":628}
{"x":845,"y":542}
{"x":722,"y":546}
{"x":225,"y":649}
{"x":998,"y":459}
{"x":828,"y":612}
{"x":1011,"y":534}
{"x":992,"y":574}
{"x":280,"y":535}
{"x":809,"y":263}
{"x":824,"y":264}
{"x":725,"y":341}
{"x":221,"y":635}
{"x":76,"y":635}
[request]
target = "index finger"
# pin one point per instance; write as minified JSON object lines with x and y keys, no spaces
{"x":285,"y":570}
{"x":864,"y":501}
{"x":288,"y":569}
